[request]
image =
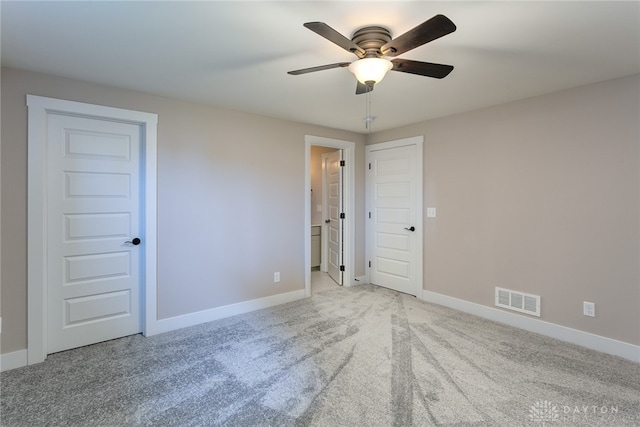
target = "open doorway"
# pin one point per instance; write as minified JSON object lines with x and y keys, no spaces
{"x":317,"y":212}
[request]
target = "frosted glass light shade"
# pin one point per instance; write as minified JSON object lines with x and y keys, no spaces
{"x":370,"y":69}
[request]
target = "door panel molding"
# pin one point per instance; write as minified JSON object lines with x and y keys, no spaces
{"x":395,"y":268}
{"x":38,"y":110}
{"x":348,"y":152}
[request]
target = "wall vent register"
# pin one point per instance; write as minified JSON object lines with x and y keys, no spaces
{"x":518,"y":301}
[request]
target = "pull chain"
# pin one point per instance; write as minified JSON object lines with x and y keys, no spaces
{"x":368,"y":119}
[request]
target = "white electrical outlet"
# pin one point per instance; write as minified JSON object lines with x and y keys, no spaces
{"x":589,"y":309}
{"x":431,"y":212}
{"x":276,"y":277}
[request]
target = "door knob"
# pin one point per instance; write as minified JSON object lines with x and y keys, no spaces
{"x":135,"y":241}
{"x":412,"y":228}
{"x":327,"y":221}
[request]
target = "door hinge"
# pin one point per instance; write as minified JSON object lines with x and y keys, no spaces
{"x":342,"y":216}
{"x":369,"y":264}
{"x":369,"y":165}
{"x":369,"y":215}
{"x":343,"y":163}
{"x":342,"y":268}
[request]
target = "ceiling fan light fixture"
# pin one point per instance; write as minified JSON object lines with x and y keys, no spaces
{"x":370,"y":69}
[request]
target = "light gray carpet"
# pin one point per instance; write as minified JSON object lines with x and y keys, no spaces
{"x":360,"y":356}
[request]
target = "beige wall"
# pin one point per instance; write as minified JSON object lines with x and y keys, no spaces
{"x":230,"y":199}
{"x":541,"y":196}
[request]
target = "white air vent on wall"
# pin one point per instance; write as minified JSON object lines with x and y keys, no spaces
{"x":518,"y":301}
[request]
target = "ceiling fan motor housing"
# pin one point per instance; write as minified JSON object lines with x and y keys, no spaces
{"x":371,"y":39}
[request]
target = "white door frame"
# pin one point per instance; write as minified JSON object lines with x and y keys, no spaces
{"x":349,"y":235}
{"x":418,"y":142}
{"x":37,"y":213}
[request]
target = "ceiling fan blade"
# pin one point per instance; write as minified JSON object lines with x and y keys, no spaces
{"x":319,"y":68}
{"x":429,"y":30}
{"x":363,"y":88}
{"x":333,"y":36}
{"x":427,"y":69}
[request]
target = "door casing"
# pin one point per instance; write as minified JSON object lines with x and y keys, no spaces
{"x":348,"y":151}
{"x":37,"y":213}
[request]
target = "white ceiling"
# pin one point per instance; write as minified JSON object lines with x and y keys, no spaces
{"x":236,"y":54}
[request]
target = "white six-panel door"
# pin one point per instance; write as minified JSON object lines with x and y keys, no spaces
{"x":93,"y":275}
{"x":394,"y":224}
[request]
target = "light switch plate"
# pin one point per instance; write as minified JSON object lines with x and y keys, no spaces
{"x":431,"y":212}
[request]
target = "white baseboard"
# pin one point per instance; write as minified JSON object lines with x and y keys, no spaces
{"x":192,"y":319}
{"x":13,"y":360}
{"x":563,"y":333}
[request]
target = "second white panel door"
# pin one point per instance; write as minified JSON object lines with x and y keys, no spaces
{"x":394,"y":224}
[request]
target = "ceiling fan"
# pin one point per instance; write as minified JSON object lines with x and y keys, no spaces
{"x":371,"y":44}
